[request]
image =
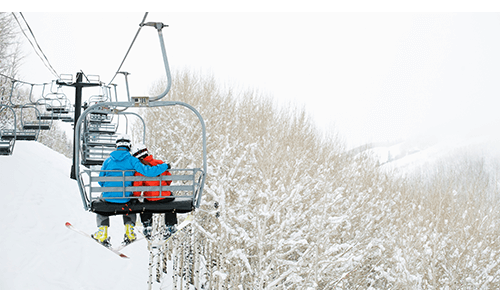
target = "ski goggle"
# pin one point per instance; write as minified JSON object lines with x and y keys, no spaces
{"x":141,"y":153}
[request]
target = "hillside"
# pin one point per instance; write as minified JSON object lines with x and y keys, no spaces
{"x":282,"y":209}
{"x":425,"y":151}
{"x":286,"y":207}
{"x":37,"y":251}
{"x":384,"y":235}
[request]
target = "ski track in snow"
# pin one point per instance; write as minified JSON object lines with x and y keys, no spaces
{"x":37,"y":250}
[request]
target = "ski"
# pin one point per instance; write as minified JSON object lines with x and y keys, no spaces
{"x":117,"y":252}
{"x":122,"y":246}
{"x":184,"y":223}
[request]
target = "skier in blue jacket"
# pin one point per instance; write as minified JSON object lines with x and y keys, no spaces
{"x":121,"y":159}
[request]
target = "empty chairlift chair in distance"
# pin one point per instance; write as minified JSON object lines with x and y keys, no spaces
{"x":98,"y":137}
{"x":56,"y":103}
{"x":7,"y":134}
{"x":57,"y":107}
{"x":58,"y":115}
{"x":34,"y":125}
{"x":99,"y":134}
{"x":27,"y":134}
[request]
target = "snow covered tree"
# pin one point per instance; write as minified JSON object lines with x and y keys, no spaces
{"x":276,"y":195}
{"x":17,"y":93}
{"x":10,"y":54}
{"x":287,"y":208}
{"x":9,"y":62}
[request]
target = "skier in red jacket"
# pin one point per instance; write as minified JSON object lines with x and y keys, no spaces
{"x":141,"y":152}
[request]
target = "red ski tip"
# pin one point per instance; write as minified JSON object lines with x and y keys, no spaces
{"x":68,"y":224}
{"x":123,"y":256}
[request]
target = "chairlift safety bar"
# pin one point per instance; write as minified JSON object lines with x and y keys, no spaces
{"x":191,"y":177}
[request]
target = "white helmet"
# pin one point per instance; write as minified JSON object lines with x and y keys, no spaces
{"x":123,"y":140}
{"x":139,"y":150}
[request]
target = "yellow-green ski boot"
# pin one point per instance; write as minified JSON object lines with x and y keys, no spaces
{"x":101,"y":236}
{"x":129,"y":236}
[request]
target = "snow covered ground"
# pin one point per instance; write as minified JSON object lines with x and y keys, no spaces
{"x":37,"y":251}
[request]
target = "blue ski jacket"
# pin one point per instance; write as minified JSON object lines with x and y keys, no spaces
{"x":121,"y":159}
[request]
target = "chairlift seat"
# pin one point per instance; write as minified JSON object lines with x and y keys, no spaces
{"x":100,"y":144}
{"x":6,"y":147}
{"x":101,"y":113}
{"x":185,"y":187}
{"x":60,"y":110}
{"x":96,"y":148}
{"x":100,"y":118}
{"x":88,"y":161}
{"x":47,"y":117}
{"x":99,"y":140}
{"x":94,"y":156}
{"x":101,"y":128}
{"x":26,"y":135}
{"x":36,"y":126}
{"x":171,"y":204}
{"x":57,"y":110}
{"x":67,"y":119}
{"x":56,"y":116}
{"x":7,"y":135}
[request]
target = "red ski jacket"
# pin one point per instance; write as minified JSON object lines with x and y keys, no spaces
{"x":153,"y":162}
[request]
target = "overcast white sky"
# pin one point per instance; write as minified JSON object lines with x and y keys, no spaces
{"x":375,"y":76}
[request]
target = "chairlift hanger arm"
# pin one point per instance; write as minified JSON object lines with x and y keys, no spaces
{"x":126,"y":82}
{"x":159,"y":26}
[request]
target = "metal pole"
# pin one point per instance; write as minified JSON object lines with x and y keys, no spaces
{"x":78,"y":108}
{"x":159,"y":26}
{"x":126,"y":84}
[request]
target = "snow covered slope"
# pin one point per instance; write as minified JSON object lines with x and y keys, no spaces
{"x":36,"y":249}
{"x":425,"y":151}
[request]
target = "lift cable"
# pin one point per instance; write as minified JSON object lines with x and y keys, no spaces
{"x":130,"y":47}
{"x":38,"y":51}
{"x":19,"y":81}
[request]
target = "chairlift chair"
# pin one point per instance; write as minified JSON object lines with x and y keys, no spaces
{"x":187,"y":183}
{"x":24,"y":134}
{"x":6,"y":147}
{"x":96,"y":148}
{"x":65,"y":115}
{"x":34,"y":125}
{"x":57,"y":106}
{"x":98,"y":136}
{"x":66,"y":78}
{"x":57,"y":103}
{"x":97,"y":143}
{"x":8,"y":135}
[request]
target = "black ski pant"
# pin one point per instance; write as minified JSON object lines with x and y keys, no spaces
{"x":170,"y":217}
{"x":103,"y":220}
